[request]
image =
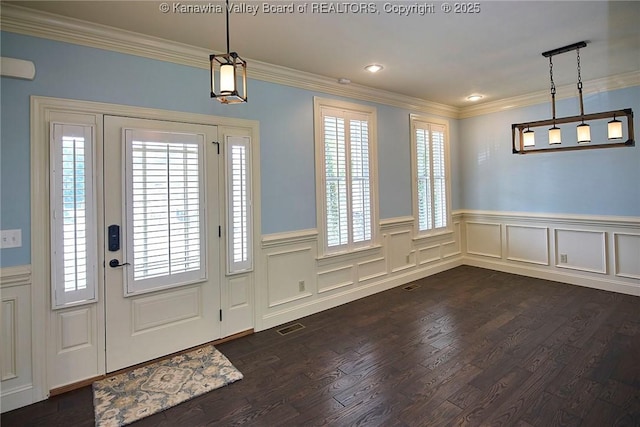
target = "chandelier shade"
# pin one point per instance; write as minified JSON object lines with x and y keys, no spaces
{"x":614,"y":129}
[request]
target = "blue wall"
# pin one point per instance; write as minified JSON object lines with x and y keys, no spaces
{"x":286,"y":130}
{"x":588,"y":182}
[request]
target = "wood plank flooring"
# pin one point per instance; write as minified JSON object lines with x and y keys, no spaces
{"x":468,"y":347}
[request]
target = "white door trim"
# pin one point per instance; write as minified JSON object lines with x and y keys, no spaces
{"x":41,"y":110}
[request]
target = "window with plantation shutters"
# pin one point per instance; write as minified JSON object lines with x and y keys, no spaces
{"x":430,"y":175}
{"x":73,"y":215}
{"x":345,"y":147}
{"x":164,"y":209}
{"x":238,"y":195}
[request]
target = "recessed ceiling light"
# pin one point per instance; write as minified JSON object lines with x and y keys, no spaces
{"x":473,"y":98}
{"x":344,"y":81}
{"x":373,"y":68}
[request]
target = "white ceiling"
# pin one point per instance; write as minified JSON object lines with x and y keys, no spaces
{"x":437,"y":57}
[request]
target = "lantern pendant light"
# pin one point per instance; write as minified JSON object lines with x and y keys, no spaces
{"x":614,"y":128}
{"x":232,"y":72}
{"x":555,"y":135}
{"x":583,"y":129}
{"x":529,"y":138}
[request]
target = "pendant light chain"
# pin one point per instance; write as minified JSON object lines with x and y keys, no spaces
{"x":553,"y":89}
{"x":580,"y":85}
{"x":553,"y":85}
{"x":228,"y":26}
{"x":579,"y":76}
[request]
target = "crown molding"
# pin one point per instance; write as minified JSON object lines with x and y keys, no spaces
{"x":619,"y":81}
{"x":46,"y":25}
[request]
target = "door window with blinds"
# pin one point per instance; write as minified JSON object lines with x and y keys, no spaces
{"x":430,"y":175}
{"x":73,"y":215}
{"x":238,"y":197}
{"x":345,"y":153}
{"x":165,"y":209}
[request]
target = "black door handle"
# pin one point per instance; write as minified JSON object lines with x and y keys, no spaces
{"x":116,"y":263}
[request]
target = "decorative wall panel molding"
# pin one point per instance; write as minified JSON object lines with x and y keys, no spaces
{"x":286,"y":269}
{"x":595,"y":251}
{"x":626,"y":253}
{"x":581,"y":250}
{"x":337,"y":278}
{"x":16,"y":371}
{"x":9,"y":339}
{"x":372,"y":269}
{"x":291,"y":257}
{"x":484,"y":239}
{"x":527,"y":243}
{"x":429,"y":254}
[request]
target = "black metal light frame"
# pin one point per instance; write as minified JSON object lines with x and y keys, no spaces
{"x":239,"y":65}
{"x":517,"y":129}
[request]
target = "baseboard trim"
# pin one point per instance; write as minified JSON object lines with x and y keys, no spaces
{"x":557,"y":276}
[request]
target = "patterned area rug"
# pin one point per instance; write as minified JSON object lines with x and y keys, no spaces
{"x":127,"y":397}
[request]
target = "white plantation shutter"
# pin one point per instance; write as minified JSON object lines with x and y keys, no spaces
{"x":360,"y":181}
{"x":424,"y":179}
{"x":165,"y":209}
{"x":239,"y":220}
{"x":439,"y":176}
{"x":347,"y":179}
{"x":73,"y":223}
{"x":335,"y":160}
{"x":430,"y":175}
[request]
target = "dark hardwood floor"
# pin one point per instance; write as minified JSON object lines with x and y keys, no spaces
{"x":468,"y":347}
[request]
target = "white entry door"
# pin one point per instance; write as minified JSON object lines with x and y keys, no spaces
{"x":162,"y":279}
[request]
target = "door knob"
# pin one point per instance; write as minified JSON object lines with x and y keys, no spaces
{"x":116,"y":263}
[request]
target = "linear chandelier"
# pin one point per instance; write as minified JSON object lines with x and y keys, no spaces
{"x":233,"y":73}
{"x":523,"y":138}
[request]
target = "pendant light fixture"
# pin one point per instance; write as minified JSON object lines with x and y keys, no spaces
{"x":529,"y":138}
{"x":555,"y":135}
{"x":583,"y":129}
{"x":614,"y":128}
{"x":232,"y":72}
{"x":522,"y":134}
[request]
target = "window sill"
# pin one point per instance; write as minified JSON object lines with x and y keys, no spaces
{"x":347,"y":256}
{"x":435,"y":235}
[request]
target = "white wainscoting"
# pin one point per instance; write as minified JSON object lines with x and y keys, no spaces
{"x":298,"y":282}
{"x":16,"y":388}
{"x":527,"y":243}
{"x":626,"y":251}
{"x":595,"y":251}
{"x":484,"y":239}
{"x":292,"y":281}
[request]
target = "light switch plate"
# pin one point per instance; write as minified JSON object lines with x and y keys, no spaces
{"x":10,"y":239}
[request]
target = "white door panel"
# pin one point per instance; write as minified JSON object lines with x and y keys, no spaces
{"x":162,"y":289}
